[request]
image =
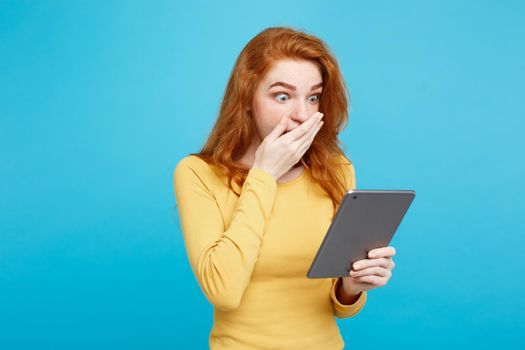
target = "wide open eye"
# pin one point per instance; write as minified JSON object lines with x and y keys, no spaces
{"x":279,"y":95}
{"x":315,"y":99}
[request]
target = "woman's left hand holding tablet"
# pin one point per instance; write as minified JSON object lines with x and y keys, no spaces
{"x":370,"y":273}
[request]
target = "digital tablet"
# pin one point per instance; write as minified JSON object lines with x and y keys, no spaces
{"x":365,"y":220}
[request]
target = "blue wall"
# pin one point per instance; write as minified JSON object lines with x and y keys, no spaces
{"x":100,"y":100}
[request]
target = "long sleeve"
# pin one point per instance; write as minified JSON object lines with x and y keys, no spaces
{"x":343,"y":310}
{"x":223,"y":260}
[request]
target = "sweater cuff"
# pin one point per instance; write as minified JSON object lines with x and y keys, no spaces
{"x":342,"y":310}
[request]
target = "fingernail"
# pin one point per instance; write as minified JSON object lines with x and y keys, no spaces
{"x":357,"y":266}
{"x":372,"y":255}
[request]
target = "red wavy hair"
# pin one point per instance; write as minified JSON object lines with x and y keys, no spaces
{"x":233,"y":130}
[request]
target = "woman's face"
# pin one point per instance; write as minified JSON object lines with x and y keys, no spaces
{"x":292,"y":88}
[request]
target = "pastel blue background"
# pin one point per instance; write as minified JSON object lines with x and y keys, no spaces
{"x":99,"y":100}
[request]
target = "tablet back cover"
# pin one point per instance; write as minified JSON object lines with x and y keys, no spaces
{"x":365,"y":220}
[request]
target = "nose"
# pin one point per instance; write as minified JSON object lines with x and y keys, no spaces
{"x":300,"y":113}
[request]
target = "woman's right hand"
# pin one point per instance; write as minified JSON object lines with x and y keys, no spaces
{"x":277,"y":153}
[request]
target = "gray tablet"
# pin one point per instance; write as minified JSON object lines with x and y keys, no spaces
{"x":365,"y":220}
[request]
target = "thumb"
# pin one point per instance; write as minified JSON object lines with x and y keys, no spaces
{"x":277,"y":130}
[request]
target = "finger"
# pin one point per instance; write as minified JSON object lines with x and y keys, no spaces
{"x":363,"y":264}
{"x":311,"y":136}
{"x":375,"y":270}
{"x":384,"y":252}
{"x":375,"y":280}
{"x":302,"y":129}
{"x":277,"y":130}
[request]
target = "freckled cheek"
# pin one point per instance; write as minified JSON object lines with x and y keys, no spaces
{"x":271,"y":115}
{"x":269,"y":112}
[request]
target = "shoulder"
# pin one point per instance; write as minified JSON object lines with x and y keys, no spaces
{"x":193,"y":170}
{"x":188,"y":165}
{"x":192,"y":162}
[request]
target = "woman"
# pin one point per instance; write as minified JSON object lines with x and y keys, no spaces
{"x":255,"y":203}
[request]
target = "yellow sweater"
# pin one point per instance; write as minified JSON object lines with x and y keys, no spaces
{"x":250,"y":255}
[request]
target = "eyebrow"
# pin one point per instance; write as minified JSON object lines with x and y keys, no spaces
{"x":291,"y":87}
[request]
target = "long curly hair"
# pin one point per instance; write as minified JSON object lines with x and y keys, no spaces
{"x":234,"y":129}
